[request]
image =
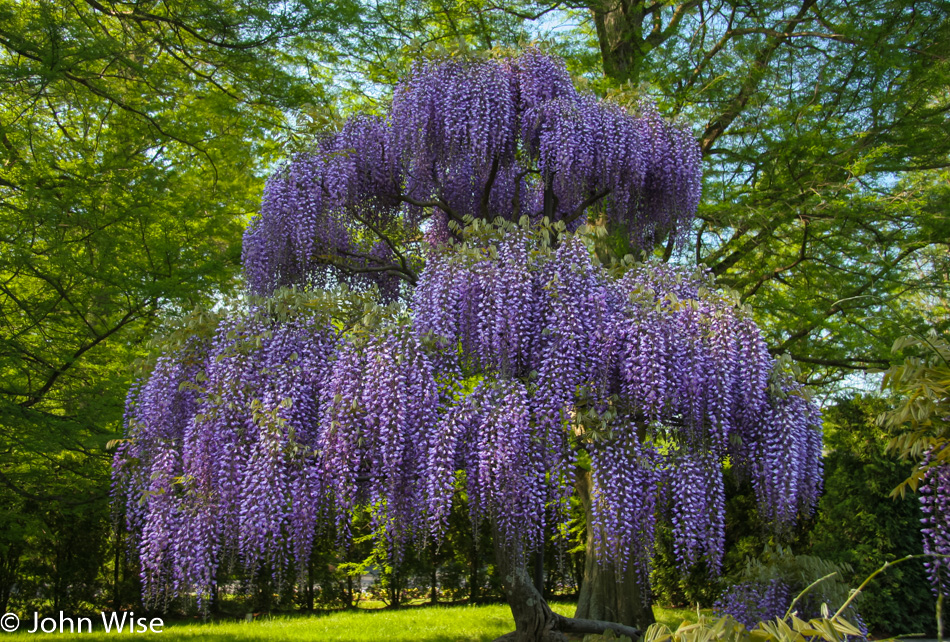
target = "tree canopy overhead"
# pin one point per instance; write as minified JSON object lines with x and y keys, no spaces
{"x":133,"y":142}
{"x":130,"y":150}
{"x":822,"y":136}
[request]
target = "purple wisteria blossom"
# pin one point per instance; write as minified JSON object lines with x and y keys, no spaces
{"x":519,"y":359}
{"x":662,"y":359}
{"x":218,"y":460}
{"x":935,"y":506}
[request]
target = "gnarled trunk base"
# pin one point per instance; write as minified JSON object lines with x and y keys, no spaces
{"x":604,"y":595}
{"x":534,"y":619}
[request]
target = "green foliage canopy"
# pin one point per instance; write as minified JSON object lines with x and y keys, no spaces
{"x":132,"y":142}
{"x":823,"y":127}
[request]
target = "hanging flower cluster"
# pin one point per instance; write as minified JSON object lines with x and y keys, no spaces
{"x":521,"y":358}
{"x":935,"y":505}
{"x":467,"y":138}
{"x":217,"y":460}
{"x":753,"y":602}
{"x":518,"y":356}
{"x":380,"y":404}
{"x":628,"y":369}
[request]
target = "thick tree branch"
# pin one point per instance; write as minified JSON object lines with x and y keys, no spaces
{"x":857,"y":363}
{"x":486,"y":191}
{"x":439,"y":203}
{"x":380,"y":268}
{"x":589,"y":202}
{"x":37,"y":396}
{"x":579,"y":626}
{"x":718,"y":126}
{"x":837,"y":307}
{"x":767,"y":276}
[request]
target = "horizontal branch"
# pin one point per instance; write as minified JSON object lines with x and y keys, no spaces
{"x":5,"y":481}
{"x":439,"y":203}
{"x":848,"y":364}
{"x":580,"y":626}
{"x":592,"y":200}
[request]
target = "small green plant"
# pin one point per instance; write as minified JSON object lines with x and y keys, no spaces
{"x":788,"y":628}
{"x":791,"y":628}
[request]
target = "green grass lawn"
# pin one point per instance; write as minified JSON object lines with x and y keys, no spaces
{"x":418,"y":624}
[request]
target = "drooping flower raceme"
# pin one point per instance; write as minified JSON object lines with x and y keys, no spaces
{"x":218,"y":457}
{"x":935,"y":505}
{"x":753,"y":602}
{"x":659,"y":355}
{"x":518,"y":358}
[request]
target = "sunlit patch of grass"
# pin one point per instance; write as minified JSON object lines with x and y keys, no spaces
{"x":461,"y":623}
{"x":674,"y":617}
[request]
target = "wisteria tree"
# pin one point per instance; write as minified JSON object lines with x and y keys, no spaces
{"x":512,"y":363}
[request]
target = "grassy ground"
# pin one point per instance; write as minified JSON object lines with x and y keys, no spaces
{"x":417,"y":624}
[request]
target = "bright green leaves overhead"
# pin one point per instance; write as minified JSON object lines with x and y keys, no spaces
{"x":133,"y":139}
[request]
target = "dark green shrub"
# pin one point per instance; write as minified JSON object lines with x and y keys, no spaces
{"x":860,"y":525}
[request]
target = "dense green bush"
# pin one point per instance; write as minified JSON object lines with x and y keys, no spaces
{"x":860,"y":525}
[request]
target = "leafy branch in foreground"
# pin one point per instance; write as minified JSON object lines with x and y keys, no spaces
{"x":923,"y":382}
{"x":789,"y":628}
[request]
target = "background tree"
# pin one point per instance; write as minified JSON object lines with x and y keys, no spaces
{"x":821,"y":125}
{"x":857,"y":508}
{"x":920,"y":422}
{"x":131,"y":142}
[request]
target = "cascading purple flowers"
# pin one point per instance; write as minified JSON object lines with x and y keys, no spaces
{"x":467,"y":138}
{"x":659,"y":350}
{"x":326,"y":215}
{"x":935,"y":506}
{"x":517,"y":356}
{"x":626,"y":476}
{"x":380,"y":403}
{"x":753,"y":602}
{"x":217,"y":457}
{"x":520,"y":359}
{"x":698,"y":509}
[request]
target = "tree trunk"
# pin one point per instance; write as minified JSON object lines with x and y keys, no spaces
{"x":534,"y":619}
{"x":310,"y":583}
{"x":9,"y":573}
{"x":117,"y":561}
{"x":473,"y":568}
{"x":623,"y":48}
{"x":603,"y":595}
{"x":537,"y":568}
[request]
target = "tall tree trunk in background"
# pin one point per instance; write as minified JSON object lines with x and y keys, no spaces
{"x":9,"y":572}
{"x":603,"y":595}
{"x":474,"y":559}
{"x":628,"y":30}
{"x":310,"y":583}
{"x":434,"y":578}
{"x":116,"y":568}
{"x":619,"y":26}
